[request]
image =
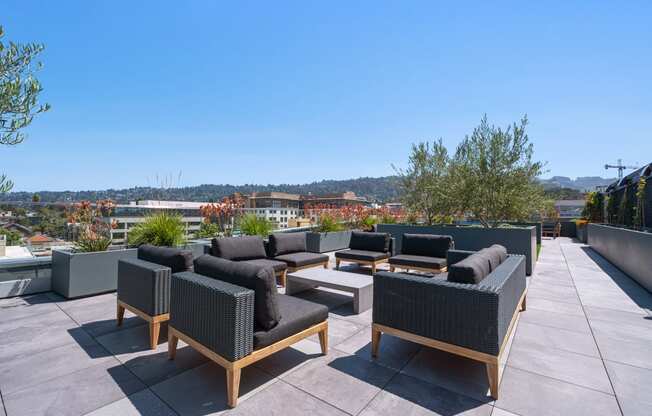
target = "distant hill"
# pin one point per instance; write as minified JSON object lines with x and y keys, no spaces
{"x":384,"y":189}
{"x":581,"y":183}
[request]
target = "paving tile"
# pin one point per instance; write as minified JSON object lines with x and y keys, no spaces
{"x":131,"y":347}
{"x":344,"y":381}
{"x":641,"y":318}
{"x":345,"y":312}
{"x":621,"y":331}
{"x":33,"y":335}
{"x":52,"y":317}
{"x":501,"y":412}
{"x":2,"y":409}
{"x":554,"y":292}
{"x":283,"y":399}
{"x":526,"y":393}
{"x":331,"y":298}
{"x":577,"y":342}
{"x":394,"y":352}
{"x":452,"y":372}
{"x":16,"y":308}
{"x":633,"y":387}
{"x":555,"y":320}
{"x":74,"y":394}
{"x":290,"y":359}
{"x":202,"y":390}
{"x":66,"y":304}
{"x":636,"y":353}
{"x":143,"y":403}
{"x":535,"y":302}
{"x":26,"y":371}
{"x":99,"y":317}
{"x":410,"y":396}
{"x":338,"y":331}
{"x":563,"y":365}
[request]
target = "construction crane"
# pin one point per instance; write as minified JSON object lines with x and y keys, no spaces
{"x":620,"y":167}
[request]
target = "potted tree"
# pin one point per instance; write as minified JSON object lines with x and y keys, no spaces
{"x":91,"y":267}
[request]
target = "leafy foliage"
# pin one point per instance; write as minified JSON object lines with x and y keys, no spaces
{"x":639,"y":217}
{"x":208,"y":230}
{"x":250,"y":224}
{"x":13,"y":237}
{"x":91,"y":233}
{"x":594,"y":208}
{"x":329,"y":222}
{"x":162,"y":229}
{"x":19,"y":91}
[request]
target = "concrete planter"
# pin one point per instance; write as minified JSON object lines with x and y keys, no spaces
{"x":325,"y":242}
{"x":20,"y":277}
{"x":84,"y":274}
{"x":582,"y":232}
{"x":522,"y":240}
{"x":628,"y":250}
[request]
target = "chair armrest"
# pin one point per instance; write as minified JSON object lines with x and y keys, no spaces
{"x":144,"y":285}
{"x":458,"y":314}
{"x":216,"y":314}
{"x":392,"y":246}
{"x":455,"y":256}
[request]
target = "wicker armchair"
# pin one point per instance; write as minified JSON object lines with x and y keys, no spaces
{"x":471,"y":320}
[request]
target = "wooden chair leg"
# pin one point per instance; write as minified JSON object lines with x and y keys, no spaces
{"x":120,"y":314}
{"x":154,"y":331}
{"x":283,"y":277}
{"x":172,"y":345}
{"x":375,"y":341}
{"x":373,"y":268}
{"x":337,"y":264}
{"x":524,"y":303}
{"x":392,"y":268}
{"x":326,"y":265}
{"x":323,"y":341}
{"x":232,"y":386}
{"x":493,"y":376}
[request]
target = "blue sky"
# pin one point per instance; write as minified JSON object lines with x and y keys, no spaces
{"x":291,"y":92}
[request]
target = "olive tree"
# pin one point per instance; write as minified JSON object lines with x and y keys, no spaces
{"x":495,"y":175}
{"x":426,"y":182}
{"x":19,"y":91}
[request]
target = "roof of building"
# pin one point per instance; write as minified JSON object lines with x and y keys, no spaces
{"x":40,"y":238}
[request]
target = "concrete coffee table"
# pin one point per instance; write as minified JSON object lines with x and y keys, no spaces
{"x":359,"y":284}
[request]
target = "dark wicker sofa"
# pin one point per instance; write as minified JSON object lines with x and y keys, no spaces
{"x":424,"y":252}
{"x":367,"y":248}
{"x":470,"y":313}
{"x":250,"y":249}
{"x":290,"y":248}
{"x":231,"y":313}
{"x":144,"y":284}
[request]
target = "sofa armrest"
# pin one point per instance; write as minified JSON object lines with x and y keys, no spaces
{"x":455,"y":256}
{"x":392,"y":246}
{"x":218,"y":315}
{"x":144,"y":285}
{"x":458,"y":314}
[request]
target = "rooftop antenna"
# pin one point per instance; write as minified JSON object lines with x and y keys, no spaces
{"x":621,"y":168}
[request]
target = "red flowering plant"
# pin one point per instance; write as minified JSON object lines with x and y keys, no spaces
{"x":220,"y":217}
{"x":90,"y":231}
{"x":326,"y":217}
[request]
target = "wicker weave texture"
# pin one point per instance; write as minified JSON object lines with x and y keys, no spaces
{"x":144,"y":285}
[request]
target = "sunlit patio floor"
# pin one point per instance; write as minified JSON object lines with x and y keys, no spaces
{"x":583,"y":347}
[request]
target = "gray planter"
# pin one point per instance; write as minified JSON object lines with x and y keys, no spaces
{"x":325,"y":242}
{"x":84,"y":274}
{"x":628,"y":250}
{"x":521,"y":240}
{"x":582,"y":233}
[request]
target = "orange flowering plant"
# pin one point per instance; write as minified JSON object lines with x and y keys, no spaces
{"x":91,"y":233}
{"x":224,"y":214}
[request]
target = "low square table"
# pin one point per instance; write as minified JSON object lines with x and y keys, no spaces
{"x":359,"y":284}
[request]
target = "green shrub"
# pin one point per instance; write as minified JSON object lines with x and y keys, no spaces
{"x":162,"y":229}
{"x":90,"y":241}
{"x":208,"y":230}
{"x":329,"y":224}
{"x":250,"y":224}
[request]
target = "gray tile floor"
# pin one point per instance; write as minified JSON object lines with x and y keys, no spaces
{"x":582,"y":347}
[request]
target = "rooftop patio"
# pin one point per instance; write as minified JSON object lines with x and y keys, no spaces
{"x":581,"y":347}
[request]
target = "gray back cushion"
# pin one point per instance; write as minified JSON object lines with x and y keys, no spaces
{"x":429,"y":245}
{"x":176,"y":259}
{"x":239,"y":248}
{"x":471,"y":270}
{"x":286,"y":243}
{"x":369,"y":241}
{"x":261,"y":280}
{"x":495,"y":255}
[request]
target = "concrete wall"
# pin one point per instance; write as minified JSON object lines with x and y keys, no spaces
{"x":25,"y":276}
{"x":516,"y":240}
{"x":629,"y":250}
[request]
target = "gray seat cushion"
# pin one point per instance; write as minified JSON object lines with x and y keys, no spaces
{"x":370,"y":241}
{"x":261,"y":280}
{"x":471,"y":270}
{"x":298,"y":314}
{"x":239,"y":248}
{"x":429,"y":245}
{"x":278,"y":266}
{"x":302,"y":259}
{"x":363,"y":255}
{"x":418,"y":261}
{"x":176,"y":259}
{"x":286,"y":243}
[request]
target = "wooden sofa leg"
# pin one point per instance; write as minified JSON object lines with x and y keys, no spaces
{"x":524,"y":303}
{"x":326,"y":265}
{"x":375,"y":341}
{"x":493,"y":376}
{"x":392,"y":268}
{"x":120,"y":314}
{"x":154,"y":331}
{"x":323,"y":340}
{"x":172,"y":345}
{"x":232,"y":386}
{"x":337,"y":264}
{"x":283,"y":277}
{"x":373,"y":268}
